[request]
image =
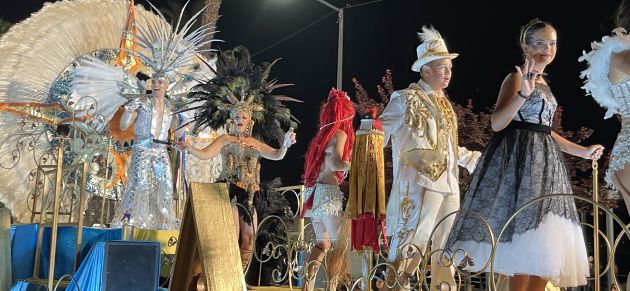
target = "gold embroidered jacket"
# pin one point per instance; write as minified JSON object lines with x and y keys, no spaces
{"x":423,"y":128}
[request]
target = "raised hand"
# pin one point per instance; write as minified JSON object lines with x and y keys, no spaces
{"x":289,"y":139}
{"x":528,"y":77}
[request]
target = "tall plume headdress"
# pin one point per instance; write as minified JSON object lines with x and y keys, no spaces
{"x":44,"y":60}
{"x":166,"y":53}
{"x":240,"y":85}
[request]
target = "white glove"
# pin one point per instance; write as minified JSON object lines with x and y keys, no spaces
{"x":289,"y":139}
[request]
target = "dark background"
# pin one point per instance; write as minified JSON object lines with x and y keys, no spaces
{"x":383,"y":36}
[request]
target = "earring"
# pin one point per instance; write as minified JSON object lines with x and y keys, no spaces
{"x":250,"y":128}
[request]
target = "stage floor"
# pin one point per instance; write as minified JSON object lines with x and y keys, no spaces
{"x":278,"y":288}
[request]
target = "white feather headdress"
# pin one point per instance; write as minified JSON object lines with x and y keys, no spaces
{"x":429,"y":33}
{"x":166,"y":51}
{"x":169,"y":50}
{"x":37,"y":56}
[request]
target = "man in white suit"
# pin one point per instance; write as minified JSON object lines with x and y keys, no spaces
{"x":423,"y":128}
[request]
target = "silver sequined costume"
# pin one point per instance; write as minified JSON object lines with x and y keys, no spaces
{"x":621,"y":150}
{"x":148,"y":198}
{"x":614,"y":97}
{"x":327,"y":200}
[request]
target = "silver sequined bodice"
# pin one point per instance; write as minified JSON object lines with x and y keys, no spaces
{"x":146,"y":126}
{"x":621,"y":150}
{"x":539,"y":108}
{"x":148,"y":199}
{"x":621,"y":91}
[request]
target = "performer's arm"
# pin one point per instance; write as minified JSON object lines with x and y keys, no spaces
{"x":508,"y":102}
{"x":515,"y":89}
{"x":210,"y":151}
{"x":129,"y":115}
{"x":270,"y":153}
{"x":392,"y":116}
{"x":467,"y":158}
{"x":592,"y":151}
{"x":337,"y":155}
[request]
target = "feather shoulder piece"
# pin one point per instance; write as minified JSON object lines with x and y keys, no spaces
{"x":100,"y":89}
{"x":596,"y":82}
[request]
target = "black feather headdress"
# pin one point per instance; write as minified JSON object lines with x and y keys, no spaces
{"x":241,"y":85}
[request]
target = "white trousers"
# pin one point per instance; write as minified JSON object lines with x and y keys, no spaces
{"x":426,"y":209}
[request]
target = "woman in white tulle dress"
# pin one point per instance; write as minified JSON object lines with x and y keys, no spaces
{"x":523,"y":162}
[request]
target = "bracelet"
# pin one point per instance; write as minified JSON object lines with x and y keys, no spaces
{"x":521,"y":95}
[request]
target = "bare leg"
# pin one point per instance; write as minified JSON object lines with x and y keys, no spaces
{"x":237,"y":222}
{"x":337,"y":256}
{"x":621,"y":181}
{"x":247,"y":233}
{"x":536,"y":284}
{"x":198,"y":277}
{"x":519,"y":282}
{"x":318,"y":254}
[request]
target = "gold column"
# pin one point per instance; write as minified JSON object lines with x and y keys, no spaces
{"x":81,"y":216}
{"x":42,"y":221}
{"x":101,"y":221}
{"x":56,"y":202}
{"x":596,"y":226}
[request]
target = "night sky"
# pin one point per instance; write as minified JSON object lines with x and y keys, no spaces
{"x":383,"y":35}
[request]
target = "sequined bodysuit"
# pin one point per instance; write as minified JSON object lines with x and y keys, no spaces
{"x":148,"y":198}
{"x":621,"y":150}
{"x":241,"y":168}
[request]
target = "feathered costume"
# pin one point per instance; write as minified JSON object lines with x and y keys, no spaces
{"x":240,"y":85}
{"x":270,"y":203}
{"x":614,"y":97}
{"x":169,"y":54}
{"x":65,"y":57}
{"x":38,"y":55}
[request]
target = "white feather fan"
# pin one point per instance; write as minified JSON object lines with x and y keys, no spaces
{"x":34,"y":53}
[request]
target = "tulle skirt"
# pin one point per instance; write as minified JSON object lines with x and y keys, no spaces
{"x":520,"y":164}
